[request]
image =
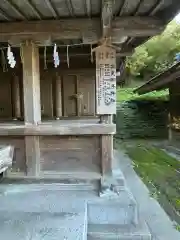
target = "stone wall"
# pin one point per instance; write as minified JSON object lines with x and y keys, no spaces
{"x":142,"y":119}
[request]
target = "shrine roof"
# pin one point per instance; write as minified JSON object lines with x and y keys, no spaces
{"x":32,"y":10}
{"x":160,"y":81}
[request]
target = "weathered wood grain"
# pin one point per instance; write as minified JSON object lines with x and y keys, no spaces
{"x":31,"y":83}
{"x":80,"y":29}
{"x":16,"y":97}
{"x":32,"y":156}
{"x":107,"y":154}
{"x":70,"y":155}
{"x":57,"y":128}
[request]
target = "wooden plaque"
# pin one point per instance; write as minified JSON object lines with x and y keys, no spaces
{"x":105,"y":80}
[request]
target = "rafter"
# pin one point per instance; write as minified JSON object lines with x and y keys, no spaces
{"x":121,"y":8}
{"x":34,"y":9}
{"x":87,"y":4}
{"x":70,"y":7}
{"x":130,"y":39}
{"x":156,"y":7}
{"x":51,"y":7}
{"x":16,"y":9}
{"x":5,"y":15}
{"x":137,"y":8}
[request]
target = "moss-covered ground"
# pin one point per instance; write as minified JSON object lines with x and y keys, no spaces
{"x":160,"y":172}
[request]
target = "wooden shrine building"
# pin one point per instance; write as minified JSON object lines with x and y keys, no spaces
{"x":169,"y":79}
{"x":59,"y":119}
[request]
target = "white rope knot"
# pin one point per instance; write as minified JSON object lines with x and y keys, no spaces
{"x":10,"y":57}
{"x":56,"y":57}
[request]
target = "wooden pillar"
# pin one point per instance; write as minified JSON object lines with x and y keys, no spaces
{"x":32,"y":156}
{"x":32,"y":106}
{"x":31,"y":83}
{"x":58,"y":96}
{"x":106,"y":101}
{"x":16,"y":98}
{"x":174,"y":109}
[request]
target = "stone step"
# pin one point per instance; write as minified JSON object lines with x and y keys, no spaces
{"x":116,"y":232}
{"x":43,"y":225}
{"x":43,"y":215}
{"x":173,"y":149}
{"x":61,"y":185}
{"x":121,"y":210}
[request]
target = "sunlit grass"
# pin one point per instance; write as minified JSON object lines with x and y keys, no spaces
{"x":126,"y":94}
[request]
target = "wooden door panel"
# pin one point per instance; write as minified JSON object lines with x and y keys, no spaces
{"x":69,"y":90}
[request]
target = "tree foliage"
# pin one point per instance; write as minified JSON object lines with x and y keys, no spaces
{"x":157,"y":54}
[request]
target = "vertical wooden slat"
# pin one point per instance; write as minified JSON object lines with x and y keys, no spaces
{"x":16,"y":98}
{"x":47,"y":103}
{"x":86,"y":86}
{"x":79,"y":97}
{"x":58,"y":96}
{"x":69,"y":91}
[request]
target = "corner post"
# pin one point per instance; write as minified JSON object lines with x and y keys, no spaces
{"x":106,"y":101}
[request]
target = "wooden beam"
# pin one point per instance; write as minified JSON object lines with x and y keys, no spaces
{"x":67,"y":26}
{"x":137,"y":26}
{"x":62,"y":129}
{"x":58,"y":29}
{"x":80,"y":28}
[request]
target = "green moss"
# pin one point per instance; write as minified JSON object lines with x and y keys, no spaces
{"x":126,"y":94}
{"x":160,"y":172}
{"x":177,"y":227}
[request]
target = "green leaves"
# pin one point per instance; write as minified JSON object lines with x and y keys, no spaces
{"x":157,"y":54}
